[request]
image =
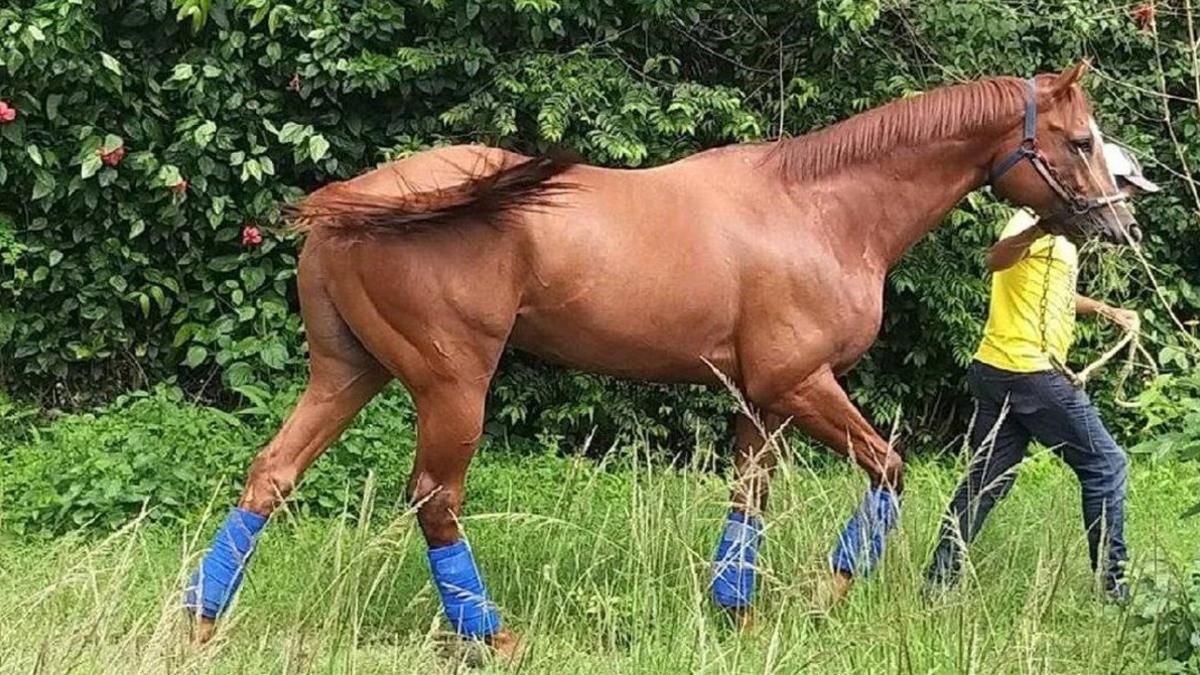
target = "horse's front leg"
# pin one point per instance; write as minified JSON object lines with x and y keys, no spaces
{"x":820,"y":407}
{"x":734,"y":563}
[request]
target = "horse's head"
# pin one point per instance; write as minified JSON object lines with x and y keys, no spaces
{"x":1054,"y":163}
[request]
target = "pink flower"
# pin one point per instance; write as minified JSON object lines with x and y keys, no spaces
{"x":7,"y":112}
{"x":180,"y":187}
{"x":112,"y":157}
{"x":251,"y":236}
{"x":1143,"y":16}
{"x":294,"y":84}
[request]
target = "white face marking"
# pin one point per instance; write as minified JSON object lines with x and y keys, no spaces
{"x":1098,"y":140}
{"x":1096,"y":135}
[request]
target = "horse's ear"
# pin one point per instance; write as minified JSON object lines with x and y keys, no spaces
{"x":1068,"y":78}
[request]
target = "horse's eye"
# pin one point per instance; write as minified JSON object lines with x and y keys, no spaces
{"x":1083,"y":145}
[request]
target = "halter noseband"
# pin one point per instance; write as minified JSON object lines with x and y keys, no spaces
{"x":1076,"y":204}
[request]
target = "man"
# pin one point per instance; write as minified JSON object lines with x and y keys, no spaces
{"x":1022,"y":395}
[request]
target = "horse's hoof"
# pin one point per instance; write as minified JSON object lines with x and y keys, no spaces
{"x":742,"y":618}
{"x":506,"y":646}
{"x":833,"y":590}
{"x":203,"y":630}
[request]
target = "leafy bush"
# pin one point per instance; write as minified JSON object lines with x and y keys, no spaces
{"x":148,"y":158}
{"x":1171,"y":606}
{"x":100,"y":469}
{"x":1171,"y":406}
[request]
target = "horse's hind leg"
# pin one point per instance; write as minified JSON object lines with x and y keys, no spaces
{"x":343,"y":378}
{"x":819,"y":406}
{"x":449,"y":426}
{"x":737,"y":551}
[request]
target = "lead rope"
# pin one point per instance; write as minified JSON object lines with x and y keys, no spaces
{"x":1131,"y":339}
{"x":1044,"y":310}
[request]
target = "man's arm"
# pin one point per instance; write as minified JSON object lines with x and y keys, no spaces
{"x":1010,"y":250}
{"x":1127,"y":319}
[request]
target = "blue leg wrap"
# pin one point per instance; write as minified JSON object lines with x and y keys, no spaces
{"x":213,"y":585}
{"x":733,"y":564}
{"x":864,"y":536}
{"x":464,"y":598}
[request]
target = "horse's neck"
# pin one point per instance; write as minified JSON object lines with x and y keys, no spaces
{"x":903,"y":198}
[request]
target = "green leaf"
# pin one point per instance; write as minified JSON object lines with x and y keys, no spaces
{"x":225,"y":263}
{"x":195,"y":356}
{"x":292,"y":132}
{"x":53,"y":101}
{"x":110,"y":63}
{"x":43,"y":185}
{"x":35,"y":154}
{"x":181,"y":73}
{"x":317,"y":147}
{"x":55,"y":257}
{"x":159,"y":297}
{"x":274,"y":355}
{"x":168,"y":175}
{"x":252,"y":278}
{"x":185,"y":332}
{"x":90,"y":166}
{"x":239,"y":373}
{"x":204,"y":133}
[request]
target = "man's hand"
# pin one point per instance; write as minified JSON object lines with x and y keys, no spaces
{"x":1127,"y":319}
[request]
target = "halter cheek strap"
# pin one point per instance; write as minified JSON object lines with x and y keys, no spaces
{"x":1075,"y":204}
{"x":1026,"y":149}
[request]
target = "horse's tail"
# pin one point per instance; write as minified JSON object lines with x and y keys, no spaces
{"x":489,"y":197}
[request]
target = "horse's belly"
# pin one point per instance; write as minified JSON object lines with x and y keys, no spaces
{"x":629,"y":342}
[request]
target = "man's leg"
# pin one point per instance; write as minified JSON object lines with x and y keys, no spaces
{"x":998,"y":443}
{"x":1070,"y":424}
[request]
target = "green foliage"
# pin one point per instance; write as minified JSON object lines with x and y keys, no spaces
{"x":114,"y":274}
{"x":1170,"y":606}
{"x":1171,"y":406}
{"x":152,"y":450}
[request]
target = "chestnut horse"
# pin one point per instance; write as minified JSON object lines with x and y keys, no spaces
{"x":765,"y":262}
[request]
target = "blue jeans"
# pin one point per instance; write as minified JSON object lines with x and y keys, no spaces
{"x":1014,"y":408}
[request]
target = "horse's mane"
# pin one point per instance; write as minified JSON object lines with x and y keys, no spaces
{"x":941,"y":113}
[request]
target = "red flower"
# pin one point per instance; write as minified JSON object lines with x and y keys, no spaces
{"x":180,"y":187}
{"x":1143,"y":16}
{"x":7,"y":113}
{"x":294,"y":84}
{"x":112,"y":157}
{"x":251,"y":236}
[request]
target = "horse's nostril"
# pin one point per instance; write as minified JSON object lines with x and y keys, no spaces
{"x":1135,"y":233}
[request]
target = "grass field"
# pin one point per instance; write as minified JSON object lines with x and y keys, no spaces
{"x":603,"y":568}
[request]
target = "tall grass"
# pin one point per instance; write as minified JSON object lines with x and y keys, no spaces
{"x":603,"y":567}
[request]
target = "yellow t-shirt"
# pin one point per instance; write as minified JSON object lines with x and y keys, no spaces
{"x":1012,"y":338}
